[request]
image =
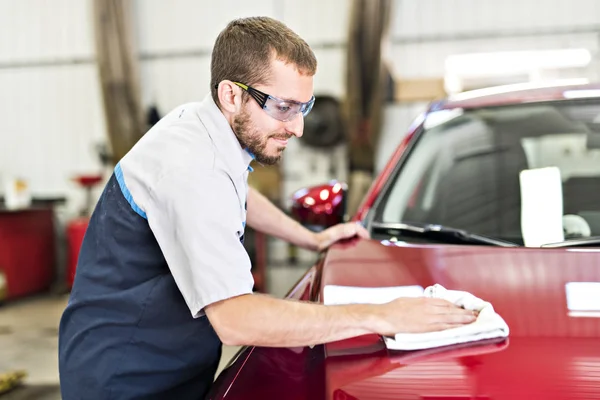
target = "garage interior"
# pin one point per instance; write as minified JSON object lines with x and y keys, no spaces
{"x":82,"y":80}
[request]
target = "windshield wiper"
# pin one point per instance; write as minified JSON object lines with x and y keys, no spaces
{"x":579,"y":242}
{"x":439,"y":233}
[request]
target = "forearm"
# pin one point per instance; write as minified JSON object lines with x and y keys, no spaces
{"x":265,"y":321}
{"x":265,"y":217}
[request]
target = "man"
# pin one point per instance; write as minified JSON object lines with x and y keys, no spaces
{"x":163,"y":278}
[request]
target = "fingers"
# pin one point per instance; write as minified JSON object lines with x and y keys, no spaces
{"x":339,"y":232}
{"x":348,"y":230}
{"x":427,"y":315}
{"x":449,"y":307}
{"x":440,"y":303}
{"x":449,"y":322}
{"x":342,"y":231}
{"x":453,"y":316}
{"x":362,"y":232}
{"x":466,"y":318}
{"x":351,"y":229}
{"x":456,"y":314}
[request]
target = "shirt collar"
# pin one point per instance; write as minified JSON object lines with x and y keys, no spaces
{"x":237,"y":158}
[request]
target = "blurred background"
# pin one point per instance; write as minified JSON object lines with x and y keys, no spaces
{"x":82,"y":80}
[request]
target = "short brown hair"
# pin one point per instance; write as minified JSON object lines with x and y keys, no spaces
{"x":244,"y":49}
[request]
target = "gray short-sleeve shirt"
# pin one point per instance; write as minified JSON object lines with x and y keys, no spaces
{"x":188,"y":177}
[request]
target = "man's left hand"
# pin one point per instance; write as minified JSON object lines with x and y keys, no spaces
{"x":339,"y":232}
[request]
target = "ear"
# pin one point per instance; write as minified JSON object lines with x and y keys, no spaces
{"x":230,"y":96}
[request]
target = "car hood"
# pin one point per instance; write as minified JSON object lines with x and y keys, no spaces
{"x":550,"y":353}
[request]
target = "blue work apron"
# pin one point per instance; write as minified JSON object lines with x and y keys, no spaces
{"x":127,"y":332}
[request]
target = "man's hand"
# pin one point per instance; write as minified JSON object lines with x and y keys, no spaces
{"x":265,"y":217}
{"x":421,"y":314}
{"x":338,"y":232}
{"x":290,"y":323}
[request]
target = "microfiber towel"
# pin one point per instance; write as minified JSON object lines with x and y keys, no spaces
{"x":488,"y":324}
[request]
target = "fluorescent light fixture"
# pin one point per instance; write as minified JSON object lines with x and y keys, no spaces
{"x":517,"y":87}
{"x":515,"y":62}
{"x":581,"y":94}
{"x":583,"y":296}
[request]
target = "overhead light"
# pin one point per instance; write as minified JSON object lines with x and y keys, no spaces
{"x":517,"y":87}
{"x":516,"y":62}
{"x":498,"y":68}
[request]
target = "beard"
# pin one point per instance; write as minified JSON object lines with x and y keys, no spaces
{"x":253,"y":141}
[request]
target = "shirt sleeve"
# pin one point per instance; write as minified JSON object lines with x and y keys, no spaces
{"x":197,"y":222}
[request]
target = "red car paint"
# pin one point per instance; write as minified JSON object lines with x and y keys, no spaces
{"x":550,"y":354}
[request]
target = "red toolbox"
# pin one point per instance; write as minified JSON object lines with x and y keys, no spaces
{"x":27,"y":250}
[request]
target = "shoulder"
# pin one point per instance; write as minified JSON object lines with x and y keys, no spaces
{"x":179,"y":146}
{"x":178,"y":141}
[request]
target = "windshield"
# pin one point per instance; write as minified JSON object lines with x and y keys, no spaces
{"x":528,"y":174}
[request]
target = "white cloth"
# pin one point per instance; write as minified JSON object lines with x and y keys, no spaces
{"x":488,"y":324}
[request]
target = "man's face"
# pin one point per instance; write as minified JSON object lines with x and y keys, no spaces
{"x":263,"y":135}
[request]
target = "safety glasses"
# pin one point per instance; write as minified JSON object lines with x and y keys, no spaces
{"x":282,"y":110}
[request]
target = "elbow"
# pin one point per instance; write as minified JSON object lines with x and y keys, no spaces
{"x":227,"y":327}
{"x":232,"y":341}
{"x":228,"y":335}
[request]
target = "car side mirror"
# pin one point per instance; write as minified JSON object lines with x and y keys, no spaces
{"x":320,"y":207}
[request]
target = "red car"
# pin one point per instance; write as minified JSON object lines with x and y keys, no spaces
{"x":496,"y":193}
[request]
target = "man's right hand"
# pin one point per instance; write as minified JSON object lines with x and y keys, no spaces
{"x":421,"y":314}
{"x":289,"y":323}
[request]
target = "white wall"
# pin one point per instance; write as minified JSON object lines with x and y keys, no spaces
{"x":52,"y":112}
{"x":50,"y":101}
{"x":176,"y":39}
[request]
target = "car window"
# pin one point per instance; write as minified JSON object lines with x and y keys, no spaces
{"x":466,"y":170}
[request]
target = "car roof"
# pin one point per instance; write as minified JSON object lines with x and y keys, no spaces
{"x":518,"y":94}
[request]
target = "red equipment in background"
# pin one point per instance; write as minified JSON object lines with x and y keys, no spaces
{"x":27,"y":252}
{"x":77,"y":227}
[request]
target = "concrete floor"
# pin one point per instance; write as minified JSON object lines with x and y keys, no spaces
{"x":29,"y":334}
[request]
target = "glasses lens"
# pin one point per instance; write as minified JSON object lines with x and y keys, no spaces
{"x":307,"y":107}
{"x":281,"y":109}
